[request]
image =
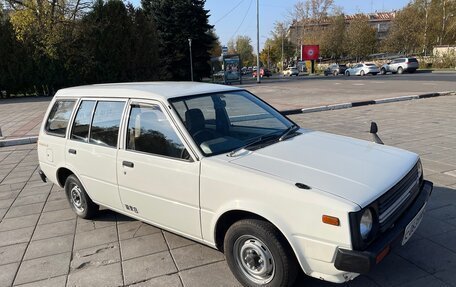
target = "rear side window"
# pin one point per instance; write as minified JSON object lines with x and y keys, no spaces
{"x":57,"y":122}
{"x":105,"y":123}
{"x":81,"y":125}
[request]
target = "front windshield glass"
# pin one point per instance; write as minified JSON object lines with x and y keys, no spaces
{"x":226,"y":121}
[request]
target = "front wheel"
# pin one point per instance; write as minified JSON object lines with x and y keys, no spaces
{"x":400,"y":70}
{"x":361,"y":73}
{"x":347,"y":73}
{"x":383,"y":71}
{"x":258,"y":255}
{"x":79,"y":201}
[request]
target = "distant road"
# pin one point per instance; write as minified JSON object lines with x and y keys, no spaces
{"x":309,"y":91}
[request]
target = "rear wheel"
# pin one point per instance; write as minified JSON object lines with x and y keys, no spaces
{"x":400,"y":70}
{"x":79,"y":201}
{"x":383,"y":71}
{"x":347,"y":73}
{"x":335,"y":73}
{"x":362,"y":73}
{"x":374,"y":74}
{"x":258,"y":255}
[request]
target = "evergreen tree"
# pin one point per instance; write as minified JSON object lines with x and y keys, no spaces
{"x":176,"y":22}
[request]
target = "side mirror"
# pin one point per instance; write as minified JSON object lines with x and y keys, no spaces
{"x":373,"y":131}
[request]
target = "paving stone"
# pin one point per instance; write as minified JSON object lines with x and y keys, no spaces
{"x":56,"y":216}
{"x":95,"y":237}
{"x":447,"y":240}
{"x":56,"y":205}
{"x":24,"y":210}
{"x":100,"y":276}
{"x":18,"y":222}
{"x":395,"y":271}
{"x":7,"y":273}
{"x":443,"y":213}
{"x":166,"y":280}
{"x":428,"y":256}
{"x":148,"y":267}
{"x":442,"y":179}
{"x":26,"y":200}
{"x":195,"y":255}
{"x":216,"y":274}
{"x":57,"y":195}
{"x":3,"y":212}
{"x":59,"y":281}
{"x":16,"y":236}
{"x":143,"y":245}
{"x":430,"y":227}
{"x":428,"y":281}
{"x":135,"y":229}
{"x":12,"y":253}
{"x":49,"y":246}
{"x":448,"y":276}
{"x":105,"y":218}
{"x":54,"y":229}
{"x":6,"y":203}
{"x":43,"y":268}
{"x":9,"y":194}
{"x":95,"y":256}
{"x":175,"y":241}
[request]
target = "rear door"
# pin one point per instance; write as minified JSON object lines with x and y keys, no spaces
{"x":158,"y":179}
{"x":91,"y":149}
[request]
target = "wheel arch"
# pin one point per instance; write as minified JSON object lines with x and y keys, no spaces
{"x":62,"y":174}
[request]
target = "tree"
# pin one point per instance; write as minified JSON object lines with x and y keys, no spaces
{"x":216,"y":50}
{"x":333,"y":38}
{"x":176,"y":22}
{"x":360,"y":38}
{"x":274,"y":46}
{"x":242,"y":46}
{"x":406,"y":34}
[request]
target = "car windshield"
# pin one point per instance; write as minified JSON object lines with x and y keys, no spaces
{"x":228,"y":121}
{"x":370,"y":65}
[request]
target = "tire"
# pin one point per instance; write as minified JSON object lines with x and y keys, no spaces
{"x":335,"y":73}
{"x":362,"y":73}
{"x":412,"y":71}
{"x":79,"y":201}
{"x":253,"y":241}
{"x":400,"y":70}
{"x":347,"y":73}
{"x":382,"y":71}
{"x":374,"y":74}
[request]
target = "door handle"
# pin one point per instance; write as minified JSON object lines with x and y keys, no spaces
{"x":128,"y":164}
{"x":72,"y":151}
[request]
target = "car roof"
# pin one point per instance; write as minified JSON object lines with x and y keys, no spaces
{"x":144,"y":90}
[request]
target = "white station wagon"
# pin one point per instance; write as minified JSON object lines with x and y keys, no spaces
{"x":220,"y":166}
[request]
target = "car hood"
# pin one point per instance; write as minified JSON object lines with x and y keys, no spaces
{"x":356,"y":170}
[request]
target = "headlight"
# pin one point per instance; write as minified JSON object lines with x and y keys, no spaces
{"x":365,"y":224}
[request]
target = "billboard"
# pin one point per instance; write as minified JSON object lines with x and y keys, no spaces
{"x":310,"y":52}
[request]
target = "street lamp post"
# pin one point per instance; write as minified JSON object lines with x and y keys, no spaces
{"x":191,"y":60}
{"x":258,"y":42}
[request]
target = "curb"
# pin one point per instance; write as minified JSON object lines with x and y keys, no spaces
{"x":364,"y":103}
{"x":19,"y":141}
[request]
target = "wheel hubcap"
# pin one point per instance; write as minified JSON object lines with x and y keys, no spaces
{"x":254,"y":259}
{"x":76,"y":198}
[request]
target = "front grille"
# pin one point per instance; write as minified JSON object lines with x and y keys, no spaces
{"x":397,"y":199}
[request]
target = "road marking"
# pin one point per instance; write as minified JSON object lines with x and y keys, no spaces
{"x":336,"y":83}
{"x":430,"y":84}
{"x":358,"y":84}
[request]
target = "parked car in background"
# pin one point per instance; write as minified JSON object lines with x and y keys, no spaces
{"x":362,"y":69}
{"x":291,"y":71}
{"x":400,"y":65}
{"x":263,"y":73}
{"x":335,"y":69}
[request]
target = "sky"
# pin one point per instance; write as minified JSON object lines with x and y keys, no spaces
{"x":238,"y":17}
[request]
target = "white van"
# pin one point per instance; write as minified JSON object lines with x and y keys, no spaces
{"x":220,"y":166}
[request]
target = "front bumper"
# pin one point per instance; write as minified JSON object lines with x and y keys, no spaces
{"x":363,"y":261}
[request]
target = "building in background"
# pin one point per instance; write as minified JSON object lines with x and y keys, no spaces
{"x":304,"y":31}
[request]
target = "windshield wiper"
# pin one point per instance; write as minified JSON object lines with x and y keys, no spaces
{"x":288,"y":131}
{"x":253,"y":142}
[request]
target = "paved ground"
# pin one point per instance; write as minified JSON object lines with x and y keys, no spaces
{"x":42,"y":243}
{"x":22,"y":117}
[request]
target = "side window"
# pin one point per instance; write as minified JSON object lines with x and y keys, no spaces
{"x":81,"y":125}
{"x":150,"y":131}
{"x":105,"y":123}
{"x":59,"y":116}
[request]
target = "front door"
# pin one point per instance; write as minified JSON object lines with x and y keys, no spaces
{"x":158,"y":180}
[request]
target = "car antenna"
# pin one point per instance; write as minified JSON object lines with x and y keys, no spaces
{"x":373,"y":131}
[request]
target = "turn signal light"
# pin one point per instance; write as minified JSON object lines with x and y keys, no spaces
{"x":382,"y":254}
{"x":331,"y":220}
